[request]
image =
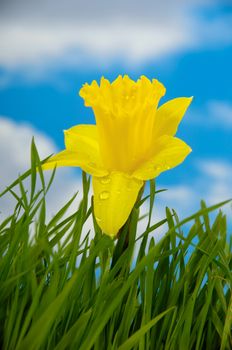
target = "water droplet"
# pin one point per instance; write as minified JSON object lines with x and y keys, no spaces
{"x":104,"y":195}
{"x":105,"y":180}
{"x":166,"y":166}
{"x":98,"y":219}
{"x":157,"y":167}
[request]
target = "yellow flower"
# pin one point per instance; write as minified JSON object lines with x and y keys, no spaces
{"x":132,"y":141}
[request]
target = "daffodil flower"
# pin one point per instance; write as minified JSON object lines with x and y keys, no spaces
{"x":132,"y":141}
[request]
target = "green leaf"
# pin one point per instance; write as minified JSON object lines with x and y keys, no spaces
{"x":134,"y":339}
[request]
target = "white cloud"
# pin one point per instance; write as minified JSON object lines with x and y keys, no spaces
{"x":221,"y":112}
{"x":217,"y":174}
{"x":216,"y":169}
{"x":48,"y":33}
{"x":133,"y":41}
{"x":15,"y":140}
{"x":215,"y":113}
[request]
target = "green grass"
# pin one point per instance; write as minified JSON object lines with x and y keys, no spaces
{"x":58,"y":292}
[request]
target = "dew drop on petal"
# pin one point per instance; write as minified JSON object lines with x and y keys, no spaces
{"x":98,"y":219}
{"x":104,"y":195}
{"x":166,"y":166}
{"x":105,"y":180}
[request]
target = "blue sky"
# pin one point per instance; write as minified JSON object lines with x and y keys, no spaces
{"x":47,"y":54}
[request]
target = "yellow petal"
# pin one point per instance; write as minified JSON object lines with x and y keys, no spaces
{"x":114,"y":198}
{"x":82,"y":151}
{"x":169,"y":115}
{"x":168,"y":153}
{"x":82,"y":137}
{"x":89,"y":93}
{"x":74,"y":159}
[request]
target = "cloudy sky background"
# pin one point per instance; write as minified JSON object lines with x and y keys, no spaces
{"x":49,"y":49}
